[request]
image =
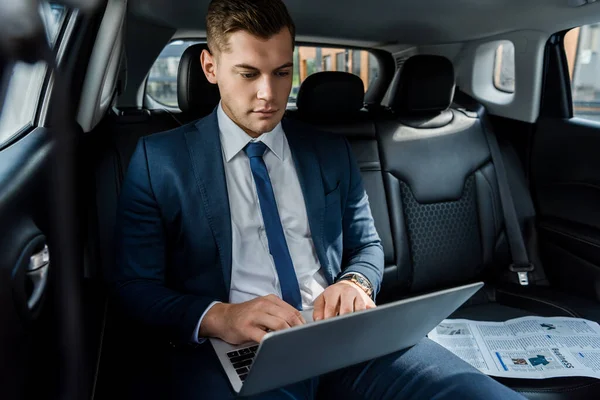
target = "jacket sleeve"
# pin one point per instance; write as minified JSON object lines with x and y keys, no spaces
{"x":363,"y":252}
{"x":141,"y":259}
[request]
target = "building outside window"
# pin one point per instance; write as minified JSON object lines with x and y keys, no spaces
{"x":356,"y":62}
{"x":340,"y":61}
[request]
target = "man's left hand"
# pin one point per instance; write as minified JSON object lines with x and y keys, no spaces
{"x":341,"y":298}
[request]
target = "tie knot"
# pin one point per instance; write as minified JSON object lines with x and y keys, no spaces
{"x":255,"y":149}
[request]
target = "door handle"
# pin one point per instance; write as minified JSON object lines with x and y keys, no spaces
{"x":37,"y":273}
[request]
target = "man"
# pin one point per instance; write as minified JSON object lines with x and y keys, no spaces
{"x":231,"y":225}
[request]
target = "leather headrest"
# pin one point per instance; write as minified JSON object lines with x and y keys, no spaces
{"x":195,"y":94}
{"x":331,"y":92}
{"x":425,"y":86}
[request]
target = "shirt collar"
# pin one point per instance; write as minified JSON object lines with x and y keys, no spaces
{"x":234,"y":139}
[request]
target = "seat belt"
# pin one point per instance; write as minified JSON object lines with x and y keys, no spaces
{"x":521,"y":265}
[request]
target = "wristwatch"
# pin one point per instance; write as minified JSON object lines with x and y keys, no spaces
{"x":359,"y":280}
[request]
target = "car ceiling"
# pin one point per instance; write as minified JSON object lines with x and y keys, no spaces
{"x":395,"y":21}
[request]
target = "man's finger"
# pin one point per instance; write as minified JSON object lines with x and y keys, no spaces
{"x":319,"y":308}
{"x":331,"y":305}
{"x":292,"y":317}
{"x":347,"y":304}
{"x":270,"y":322}
{"x":256,"y":334}
{"x":279,"y":308}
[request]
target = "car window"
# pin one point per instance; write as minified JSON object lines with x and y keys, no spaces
{"x":26,"y":81}
{"x":309,"y":60}
{"x":504,"y":67}
{"x":582,"y":49}
{"x":161,"y":85}
{"x":162,"y":79}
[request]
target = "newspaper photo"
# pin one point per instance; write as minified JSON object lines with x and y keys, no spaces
{"x":528,"y":347}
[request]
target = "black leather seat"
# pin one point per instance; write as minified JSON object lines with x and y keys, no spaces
{"x":333,"y":102}
{"x":442,"y":187}
{"x":114,"y":140}
{"x":125,"y":359}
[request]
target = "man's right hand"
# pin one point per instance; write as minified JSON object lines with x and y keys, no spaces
{"x":249,"y":321}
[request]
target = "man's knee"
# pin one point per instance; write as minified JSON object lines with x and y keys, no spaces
{"x":425,"y":370}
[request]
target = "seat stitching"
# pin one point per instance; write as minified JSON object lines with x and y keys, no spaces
{"x":567,"y":310}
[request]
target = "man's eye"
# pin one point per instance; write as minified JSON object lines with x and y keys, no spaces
{"x":283,"y":73}
{"x":248,"y":75}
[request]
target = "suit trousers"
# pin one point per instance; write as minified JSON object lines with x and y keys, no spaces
{"x":424,"y":371}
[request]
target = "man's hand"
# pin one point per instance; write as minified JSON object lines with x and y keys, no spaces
{"x":341,"y":298}
{"x":249,"y":321}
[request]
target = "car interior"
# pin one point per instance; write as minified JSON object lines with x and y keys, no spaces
{"x":421,"y":90}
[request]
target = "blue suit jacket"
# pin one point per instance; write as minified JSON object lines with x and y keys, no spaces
{"x":173,"y":238}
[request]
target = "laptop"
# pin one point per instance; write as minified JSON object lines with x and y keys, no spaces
{"x":302,"y":352}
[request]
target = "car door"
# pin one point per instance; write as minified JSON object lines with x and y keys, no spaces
{"x":565,"y":161}
{"x":40,"y":334}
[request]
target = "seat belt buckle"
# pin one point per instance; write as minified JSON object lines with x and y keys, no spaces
{"x":522,"y":272}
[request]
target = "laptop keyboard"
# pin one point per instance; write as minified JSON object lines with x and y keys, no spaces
{"x":242,"y":360}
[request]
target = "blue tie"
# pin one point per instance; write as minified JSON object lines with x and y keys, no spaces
{"x":277,"y":245}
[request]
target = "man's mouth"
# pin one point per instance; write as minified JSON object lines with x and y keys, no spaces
{"x":265,"y":111}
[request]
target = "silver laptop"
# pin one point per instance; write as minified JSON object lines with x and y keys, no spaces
{"x":298,"y":353}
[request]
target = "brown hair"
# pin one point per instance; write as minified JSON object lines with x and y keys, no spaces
{"x":261,"y":18}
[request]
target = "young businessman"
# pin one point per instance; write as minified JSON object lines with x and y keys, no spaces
{"x":230,"y":225}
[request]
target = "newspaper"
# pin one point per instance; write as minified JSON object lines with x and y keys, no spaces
{"x":528,"y":347}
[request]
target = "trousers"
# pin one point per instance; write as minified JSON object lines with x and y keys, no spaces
{"x":424,"y":371}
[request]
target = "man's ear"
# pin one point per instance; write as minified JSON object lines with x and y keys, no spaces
{"x":209,"y":66}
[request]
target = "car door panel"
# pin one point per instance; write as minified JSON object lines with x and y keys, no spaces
{"x":24,"y":285}
{"x":565,"y":176}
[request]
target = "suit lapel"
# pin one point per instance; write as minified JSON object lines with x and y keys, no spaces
{"x":204,"y":145}
{"x":309,"y":173}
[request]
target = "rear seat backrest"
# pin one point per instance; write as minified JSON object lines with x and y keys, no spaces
{"x":333,"y":102}
{"x":196,"y":98}
{"x":440,"y":180}
{"x":114,"y":141}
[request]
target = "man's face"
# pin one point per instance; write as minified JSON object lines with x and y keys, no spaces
{"x":254,"y":77}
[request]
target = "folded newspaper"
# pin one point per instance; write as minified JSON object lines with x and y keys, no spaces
{"x":528,"y":347}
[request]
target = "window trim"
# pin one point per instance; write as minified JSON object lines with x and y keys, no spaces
{"x":63,"y":38}
{"x":40,"y":110}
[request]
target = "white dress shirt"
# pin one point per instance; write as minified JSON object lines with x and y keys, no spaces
{"x":253,"y":272}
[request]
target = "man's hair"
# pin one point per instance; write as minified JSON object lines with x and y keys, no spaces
{"x":260,"y":18}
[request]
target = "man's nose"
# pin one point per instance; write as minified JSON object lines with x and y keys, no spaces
{"x":265,"y":89}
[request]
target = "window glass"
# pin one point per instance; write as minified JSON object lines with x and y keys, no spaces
{"x":504,"y":67}
{"x":314,"y":59}
{"x":26,"y":80}
{"x":340,"y":61}
{"x":582,"y":49}
{"x":53,"y":15}
{"x":327,"y":63}
{"x":373,"y":69}
{"x":162,"y":80}
{"x":356,"y":62}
